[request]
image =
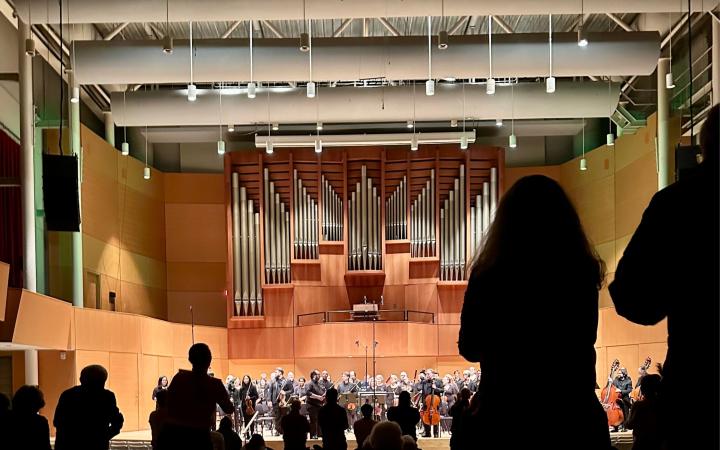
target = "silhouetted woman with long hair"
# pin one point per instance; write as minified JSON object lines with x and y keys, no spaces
{"x":530,"y":319}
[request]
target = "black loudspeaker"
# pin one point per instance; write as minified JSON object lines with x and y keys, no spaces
{"x":686,"y":160}
{"x":60,"y":192}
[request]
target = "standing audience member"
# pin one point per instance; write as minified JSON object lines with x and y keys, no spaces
{"x":457,"y":411}
{"x":670,"y":270}
{"x":364,"y":426}
{"x":333,"y":422}
{"x":4,"y":417}
{"x":644,"y":417}
{"x":295,"y":428}
{"x":159,"y":417}
{"x":534,"y":281}
{"x":385,"y":436}
{"x":26,"y":428}
{"x":408,"y":443}
{"x":230,"y":437}
{"x":256,"y":442}
{"x":87,"y":416}
{"x":193,"y":396}
{"x":405,"y":415}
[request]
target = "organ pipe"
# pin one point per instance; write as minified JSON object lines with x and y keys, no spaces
{"x":332,"y":228}
{"x":422,"y":217}
{"x":395,"y":216}
{"x":305,"y":213}
{"x":365,"y":250}
{"x":246,"y":260}
{"x":277,"y":235}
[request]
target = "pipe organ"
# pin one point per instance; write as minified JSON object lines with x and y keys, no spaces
{"x":422,"y":221}
{"x":365,"y":251}
{"x":276,"y":219}
{"x":395,"y":213}
{"x":246,"y":252}
{"x":452,"y":217}
{"x":332,"y":227}
{"x":305,"y":222}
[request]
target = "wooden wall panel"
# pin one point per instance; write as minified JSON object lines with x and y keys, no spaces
{"x":260,"y":343}
{"x":422,"y":297}
{"x":55,"y":375}
{"x":156,"y":337}
{"x":628,"y":355}
{"x":394,"y":297}
{"x":84,"y":358}
{"x":450,"y":303}
{"x":397,"y":268}
{"x":140,"y":299}
{"x":312,"y":299}
{"x":447,"y":340}
{"x":43,"y":322}
{"x":208,"y":307}
{"x":657,"y":351}
{"x":149,"y":374}
{"x":194,"y":188}
{"x":4,"y":276}
{"x":332,"y":269}
{"x":107,"y":331}
{"x":184,"y":243}
{"x":123,"y":380}
{"x":616,"y":330}
{"x":278,"y":305}
{"x":196,"y":276}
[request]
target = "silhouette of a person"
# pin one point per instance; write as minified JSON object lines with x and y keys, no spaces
{"x":670,"y":270}
{"x":535,"y":281}
{"x":333,"y":422}
{"x":644,"y":417}
{"x":87,"y":416}
{"x":192,"y":399}
{"x":230,"y":437}
{"x":405,"y":415}
{"x":295,"y":428}
{"x":363,"y":427}
{"x":27,"y":429}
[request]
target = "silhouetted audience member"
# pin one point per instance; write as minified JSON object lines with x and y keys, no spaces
{"x":25,"y":428}
{"x":295,"y":427}
{"x":405,"y":415}
{"x":408,"y":443}
{"x":256,"y":442}
{"x":644,"y":417}
{"x":4,"y":416}
{"x":217,"y":440}
{"x":230,"y":437}
{"x":385,"y":436}
{"x":457,"y":411}
{"x":87,"y":416}
{"x":159,"y":417}
{"x":333,"y":422}
{"x":670,"y":270}
{"x":364,"y":426}
{"x":192,"y":399}
{"x":535,"y":280}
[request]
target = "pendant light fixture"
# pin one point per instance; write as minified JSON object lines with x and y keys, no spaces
{"x":251,"y":85}
{"x":463,"y":138}
{"x":311,"y":84}
{"x":414,"y":140}
{"x":167,"y":40}
{"x":550,"y":81}
{"x":304,"y":36}
{"x":669,"y":79}
{"x":269,"y":147}
{"x":410,"y":124}
{"x":582,"y":40}
{"x":192,"y":89}
{"x":430,"y":83}
{"x":30,"y":49}
{"x":231,"y":128}
{"x":146,"y":169}
{"x":453,"y":122}
{"x":124,"y":147}
{"x":610,"y":138}
{"x":275,"y":126}
{"x":583,"y":161}
{"x":220,"y":142}
{"x":443,"y":34}
{"x":490,"y":86}
{"x":319,"y":126}
{"x":498,"y":122}
{"x":512,"y":140}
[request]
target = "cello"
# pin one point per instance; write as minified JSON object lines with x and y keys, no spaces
{"x":430,"y":414}
{"x":635,"y":394}
{"x":609,"y":398}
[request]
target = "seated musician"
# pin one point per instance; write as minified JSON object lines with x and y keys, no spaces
{"x":405,"y":415}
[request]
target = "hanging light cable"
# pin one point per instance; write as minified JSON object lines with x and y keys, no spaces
{"x":582,"y":40}
{"x":251,"y":85}
{"x":443,"y":34}
{"x":583,"y":161}
{"x":30,"y":49}
{"x":463,"y":138}
{"x":192,"y":89}
{"x":669,"y":79}
{"x":167,"y":40}
{"x":610,"y":138}
{"x":146,"y":170}
{"x":413,"y":140}
{"x":311,"y":84}
{"x":430,"y":83}
{"x":550,"y":81}
{"x":318,"y":126}
{"x":304,"y":37}
{"x":512,"y":140}
{"x":124,"y":147}
{"x":75,"y":91}
{"x":490,"y":86}
{"x":269,"y":148}
{"x":220,"y":142}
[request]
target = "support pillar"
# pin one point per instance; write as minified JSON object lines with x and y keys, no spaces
{"x":32,"y":377}
{"x":27,"y":171}
{"x":75,"y":148}
{"x":109,"y":128}
{"x":666,"y":159}
{"x":715,"y":61}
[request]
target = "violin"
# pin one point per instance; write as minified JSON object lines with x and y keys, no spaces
{"x":430,"y":414}
{"x":635,"y":394}
{"x":609,"y":398}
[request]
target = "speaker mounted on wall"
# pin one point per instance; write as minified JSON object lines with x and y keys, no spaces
{"x":60,"y":192}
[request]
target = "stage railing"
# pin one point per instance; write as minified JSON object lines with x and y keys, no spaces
{"x":348,"y":315}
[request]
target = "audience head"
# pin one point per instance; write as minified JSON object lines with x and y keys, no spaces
{"x":161,"y":399}
{"x":366,"y":410}
{"x":162,"y":381}
{"x":331,"y":396}
{"x":4,"y":403}
{"x":556,"y":244}
{"x":404,"y":399}
{"x":295,"y":405}
{"x":28,"y":400}
{"x":256,"y":442}
{"x":709,"y":141}
{"x":465,"y":395}
{"x":93,"y":376}
{"x":650,"y":385}
{"x":386,"y":436}
{"x":225,"y":424}
{"x":408,"y":443}
{"x":200,"y":357}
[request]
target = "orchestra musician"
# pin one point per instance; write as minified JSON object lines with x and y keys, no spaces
{"x":430,"y":385}
{"x":280,"y":391}
{"x":291,"y":379}
{"x":245,"y":400}
{"x":451,"y":392}
{"x":326,"y":381}
{"x":315,"y":397}
{"x":346,"y":386}
{"x":623,"y":383}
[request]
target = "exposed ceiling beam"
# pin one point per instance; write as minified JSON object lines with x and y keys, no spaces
{"x":230,"y":29}
{"x":507,"y":28}
{"x":115,"y":31}
{"x":272,"y":28}
{"x":365,"y":27}
{"x":458,"y":24}
{"x":621,"y":23}
{"x":388,"y":26}
{"x":343,"y":26}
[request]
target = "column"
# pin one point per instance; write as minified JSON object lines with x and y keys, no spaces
{"x":77,"y":259}
{"x":109,"y":127}
{"x":27,"y":176}
{"x":715,"y":61}
{"x":32,"y":377}
{"x":666,"y":160}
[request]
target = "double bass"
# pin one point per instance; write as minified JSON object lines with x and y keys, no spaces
{"x":609,"y":398}
{"x":430,"y":414}
{"x":635,"y":394}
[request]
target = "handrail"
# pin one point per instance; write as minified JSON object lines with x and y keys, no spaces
{"x":327,"y":315}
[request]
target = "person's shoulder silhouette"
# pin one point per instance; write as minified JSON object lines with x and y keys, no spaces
{"x":24,"y":428}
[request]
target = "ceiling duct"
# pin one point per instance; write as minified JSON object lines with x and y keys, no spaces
{"x":114,"y":11}
{"x":358,"y":105}
{"x":398,"y":58}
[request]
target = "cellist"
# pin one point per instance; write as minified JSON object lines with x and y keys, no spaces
{"x":430,"y":385}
